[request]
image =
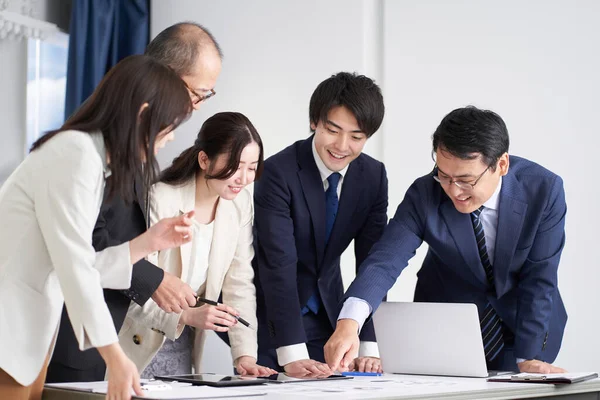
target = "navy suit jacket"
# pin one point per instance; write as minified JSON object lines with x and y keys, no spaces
{"x":291,"y":259}
{"x":529,"y":242}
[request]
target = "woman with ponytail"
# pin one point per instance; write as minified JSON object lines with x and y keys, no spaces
{"x":210,"y":178}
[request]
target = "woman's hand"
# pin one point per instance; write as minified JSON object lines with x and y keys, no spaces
{"x":246,"y":365}
{"x":207,"y":317}
{"x":122,"y":373}
{"x":165,"y":234}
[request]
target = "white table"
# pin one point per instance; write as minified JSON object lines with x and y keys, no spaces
{"x":398,"y":387}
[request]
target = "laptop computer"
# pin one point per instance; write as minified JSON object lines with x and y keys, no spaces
{"x":430,"y":339}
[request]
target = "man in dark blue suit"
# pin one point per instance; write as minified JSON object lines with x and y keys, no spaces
{"x":313,"y":199}
{"x":495,"y":237}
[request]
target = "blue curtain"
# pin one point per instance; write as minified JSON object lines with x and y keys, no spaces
{"x":101,"y":33}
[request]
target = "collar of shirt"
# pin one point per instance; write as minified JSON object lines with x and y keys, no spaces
{"x":98,"y":140}
{"x":323,"y":170}
{"x":495,"y":199}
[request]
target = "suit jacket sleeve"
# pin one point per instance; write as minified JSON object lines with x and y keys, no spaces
{"x":398,"y":244}
{"x":538,"y":278}
{"x":146,"y":277}
{"x":369,"y":234}
{"x":238,"y":286}
{"x":276,"y":257}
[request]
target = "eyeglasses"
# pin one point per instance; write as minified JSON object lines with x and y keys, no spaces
{"x":460,"y":184}
{"x":197,"y":98}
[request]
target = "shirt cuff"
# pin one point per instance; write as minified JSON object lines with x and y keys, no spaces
{"x":520,"y":360}
{"x":368,"y":349}
{"x":291,"y":353}
{"x":356,"y":309}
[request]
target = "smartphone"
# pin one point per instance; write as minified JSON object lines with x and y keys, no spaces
{"x":208,"y":379}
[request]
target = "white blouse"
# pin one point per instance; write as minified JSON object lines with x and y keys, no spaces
{"x":201,"y":244}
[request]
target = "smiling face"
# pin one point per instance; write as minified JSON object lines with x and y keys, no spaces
{"x":475,"y":171}
{"x":246,"y":173}
{"x":339,"y":140}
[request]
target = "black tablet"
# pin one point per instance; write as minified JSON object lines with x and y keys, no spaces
{"x":286,"y":378}
{"x":209,"y":379}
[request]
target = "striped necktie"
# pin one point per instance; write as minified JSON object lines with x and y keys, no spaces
{"x":491,"y":324}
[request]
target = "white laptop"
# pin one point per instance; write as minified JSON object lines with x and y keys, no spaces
{"x":430,"y":339}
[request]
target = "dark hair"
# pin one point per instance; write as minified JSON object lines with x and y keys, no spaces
{"x":223,"y":133}
{"x":114,"y":110}
{"x":357,"y":93}
{"x":179,"y":46}
{"x":469,"y":132}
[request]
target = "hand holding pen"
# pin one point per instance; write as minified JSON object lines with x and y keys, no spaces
{"x":235,"y":314}
{"x":214,"y":316}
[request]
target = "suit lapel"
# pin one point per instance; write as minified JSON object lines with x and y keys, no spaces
{"x":349,"y":197}
{"x":511,"y":215}
{"x":220,"y":258}
{"x":314,"y":194}
{"x":461,"y":229}
{"x":188,"y":203}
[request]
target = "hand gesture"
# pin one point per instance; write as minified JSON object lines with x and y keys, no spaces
{"x":366,"y":364}
{"x":121,"y":372}
{"x":216,"y":318}
{"x":539,"y":367}
{"x":174,"y":295}
{"x":342,"y":347}
{"x":246,"y":365}
{"x":307,"y":369}
{"x":171,"y":232}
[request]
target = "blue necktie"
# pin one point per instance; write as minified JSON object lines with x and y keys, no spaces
{"x":491,"y":324}
{"x":331,"y":207}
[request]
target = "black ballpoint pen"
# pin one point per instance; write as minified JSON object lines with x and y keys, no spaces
{"x":214,"y":303}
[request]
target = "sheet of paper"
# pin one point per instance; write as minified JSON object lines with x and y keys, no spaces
{"x":378,"y":387}
{"x":177,"y":390}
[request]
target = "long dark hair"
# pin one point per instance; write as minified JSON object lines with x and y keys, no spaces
{"x":223,"y":133}
{"x":114,"y":110}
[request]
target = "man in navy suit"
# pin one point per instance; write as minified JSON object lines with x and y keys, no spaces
{"x":313,"y":199}
{"x":495,"y":237}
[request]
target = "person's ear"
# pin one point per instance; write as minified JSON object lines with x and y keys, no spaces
{"x":313,"y":127}
{"x":503,"y":164}
{"x":142,"y":108}
{"x":203,"y":160}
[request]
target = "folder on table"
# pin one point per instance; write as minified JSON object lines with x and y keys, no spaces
{"x":557,"y":379}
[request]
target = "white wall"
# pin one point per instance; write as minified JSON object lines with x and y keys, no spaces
{"x":534,"y":62}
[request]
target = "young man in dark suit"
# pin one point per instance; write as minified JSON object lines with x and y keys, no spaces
{"x":495,"y":237}
{"x":314,"y":198}
{"x":194,"y":54}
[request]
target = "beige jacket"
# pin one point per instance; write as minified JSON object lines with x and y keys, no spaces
{"x":48,"y":209}
{"x":229,"y":271}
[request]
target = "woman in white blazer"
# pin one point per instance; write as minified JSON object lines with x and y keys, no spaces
{"x":209,"y":177}
{"x":48,"y":208}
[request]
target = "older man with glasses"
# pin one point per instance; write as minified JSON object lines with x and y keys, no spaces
{"x":495,"y":237}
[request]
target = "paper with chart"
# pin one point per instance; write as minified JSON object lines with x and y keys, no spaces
{"x":377,"y":387}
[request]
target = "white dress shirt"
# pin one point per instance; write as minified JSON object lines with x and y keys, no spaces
{"x":295,"y":352}
{"x":359,"y":310}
